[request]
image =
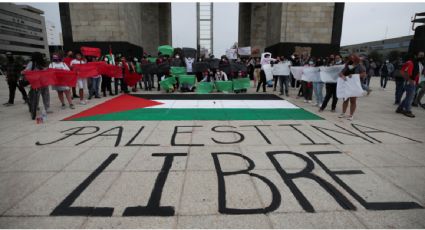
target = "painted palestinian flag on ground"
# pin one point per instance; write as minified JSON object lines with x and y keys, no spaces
{"x":175,"y":107}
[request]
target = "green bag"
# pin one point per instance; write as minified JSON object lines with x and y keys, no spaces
{"x":167,"y":84}
{"x":177,"y":71}
{"x":205,"y":87}
{"x":187,"y":79}
{"x":152,"y":59}
{"x":224,"y":86}
{"x":166,"y":50}
{"x":138,"y":68}
{"x":241,"y":83}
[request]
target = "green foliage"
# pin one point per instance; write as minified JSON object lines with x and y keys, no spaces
{"x":376,"y":56}
{"x":394,"y":55}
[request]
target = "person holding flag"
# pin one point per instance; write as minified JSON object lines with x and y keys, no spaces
{"x":57,"y":63}
{"x":81,"y":82}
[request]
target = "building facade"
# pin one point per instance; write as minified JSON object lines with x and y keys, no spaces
{"x":22,"y":30}
{"x":285,"y":28}
{"x":383,"y":47}
{"x":128,"y":28}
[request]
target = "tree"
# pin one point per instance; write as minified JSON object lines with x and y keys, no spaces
{"x":375,"y":56}
{"x":394,"y":55}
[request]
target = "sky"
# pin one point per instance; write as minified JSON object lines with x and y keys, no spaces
{"x":362,"y":22}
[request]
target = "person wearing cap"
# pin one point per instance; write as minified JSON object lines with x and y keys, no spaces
{"x":13,"y":69}
{"x":57,"y":63}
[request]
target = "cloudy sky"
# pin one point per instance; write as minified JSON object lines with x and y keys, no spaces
{"x":362,"y":22}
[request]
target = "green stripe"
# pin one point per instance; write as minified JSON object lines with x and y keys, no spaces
{"x":204,"y":114}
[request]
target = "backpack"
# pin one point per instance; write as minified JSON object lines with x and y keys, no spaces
{"x":384,"y":69}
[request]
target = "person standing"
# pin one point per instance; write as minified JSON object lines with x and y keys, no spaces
{"x":68,"y":59}
{"x":106,"y":82}
{"x":275,"y":77}
{"x":124,"y":69}
{"x":264,"y":61}
{"x":38,"y":63}
{"x":386,"y":69}
{"x":331,"y":87}
{"x":257,"y":70}
{"x":95,"y":83}
{"x":353,"y":66}
{"x":410,"y":71}
{"x":318,"y":88}
{"x":57,"y":63}
{"x":13,"y":69}
{"x":81,"y":82}
{"x":420,"y":81}
{"x":307,"y":87}
{"x":399,"y":82}
{"x":371,"y":72}
{"x":282,"y":71}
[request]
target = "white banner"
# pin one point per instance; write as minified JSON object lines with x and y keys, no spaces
{"x":268,"y":70}
{"x":231,"y":54}
{"x":350,"y":87}
{"x":297,"y":71}
{"x":244,"y":51}
{"x":330,"y":73}
{"x":281,"y":68}
{"x":311,"y":74}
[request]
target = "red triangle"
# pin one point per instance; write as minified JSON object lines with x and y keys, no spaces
{"x":121,"y":103}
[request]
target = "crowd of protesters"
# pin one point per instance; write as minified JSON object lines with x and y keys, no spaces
{"x":408,"y":75}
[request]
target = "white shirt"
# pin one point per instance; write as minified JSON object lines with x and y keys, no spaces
{"x":189,"y":63}
{"x":58,"y":65}
{"x":76,"y":61}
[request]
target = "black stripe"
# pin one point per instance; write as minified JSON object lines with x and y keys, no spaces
{"x":208,"y":96}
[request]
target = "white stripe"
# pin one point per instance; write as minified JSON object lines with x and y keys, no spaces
{"x":224,"y":104}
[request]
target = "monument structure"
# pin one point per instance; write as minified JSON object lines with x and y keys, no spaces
{"x":129,"y":28}
{"x":282,"y":28}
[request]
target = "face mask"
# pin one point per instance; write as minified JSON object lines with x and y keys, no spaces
{"x":106,"y":59}
{"x":177,"y":56}
{"x":310,"y":63}
{"x":350,"y":67}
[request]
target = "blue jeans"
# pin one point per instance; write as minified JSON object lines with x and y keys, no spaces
{"x":399,"y":89}
{"x":406,"y":104}
{"x":318,"y":91}
{"x":283,"y":83}
{"x":95,"y":82}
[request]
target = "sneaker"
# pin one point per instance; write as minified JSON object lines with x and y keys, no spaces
{"x":305,"y":101}
{"x":320,"y":110}
{"x":71,"y":106}
{"x":408,"y":114}
{"x":368,"y":92}
{"x":423,"y":106}
{"x":414,"y":105}
{"x":8,"y":104}
{"x":342,"y":115}
{"x":350,"y":118}
{"x":82,"y":103}
{"x":333,"y":110}
{"x":49,"y":111}
{"x":63,"y":106}
{"x":399,"y":110}
{"x":97,"y":97}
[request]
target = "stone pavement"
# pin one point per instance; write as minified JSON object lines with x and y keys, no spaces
{"x":331,"y":173}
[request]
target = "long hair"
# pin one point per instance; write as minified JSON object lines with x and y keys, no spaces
{"x":38,"y":60}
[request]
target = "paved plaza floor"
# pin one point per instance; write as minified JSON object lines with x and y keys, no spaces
{"x":322,"y":173}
